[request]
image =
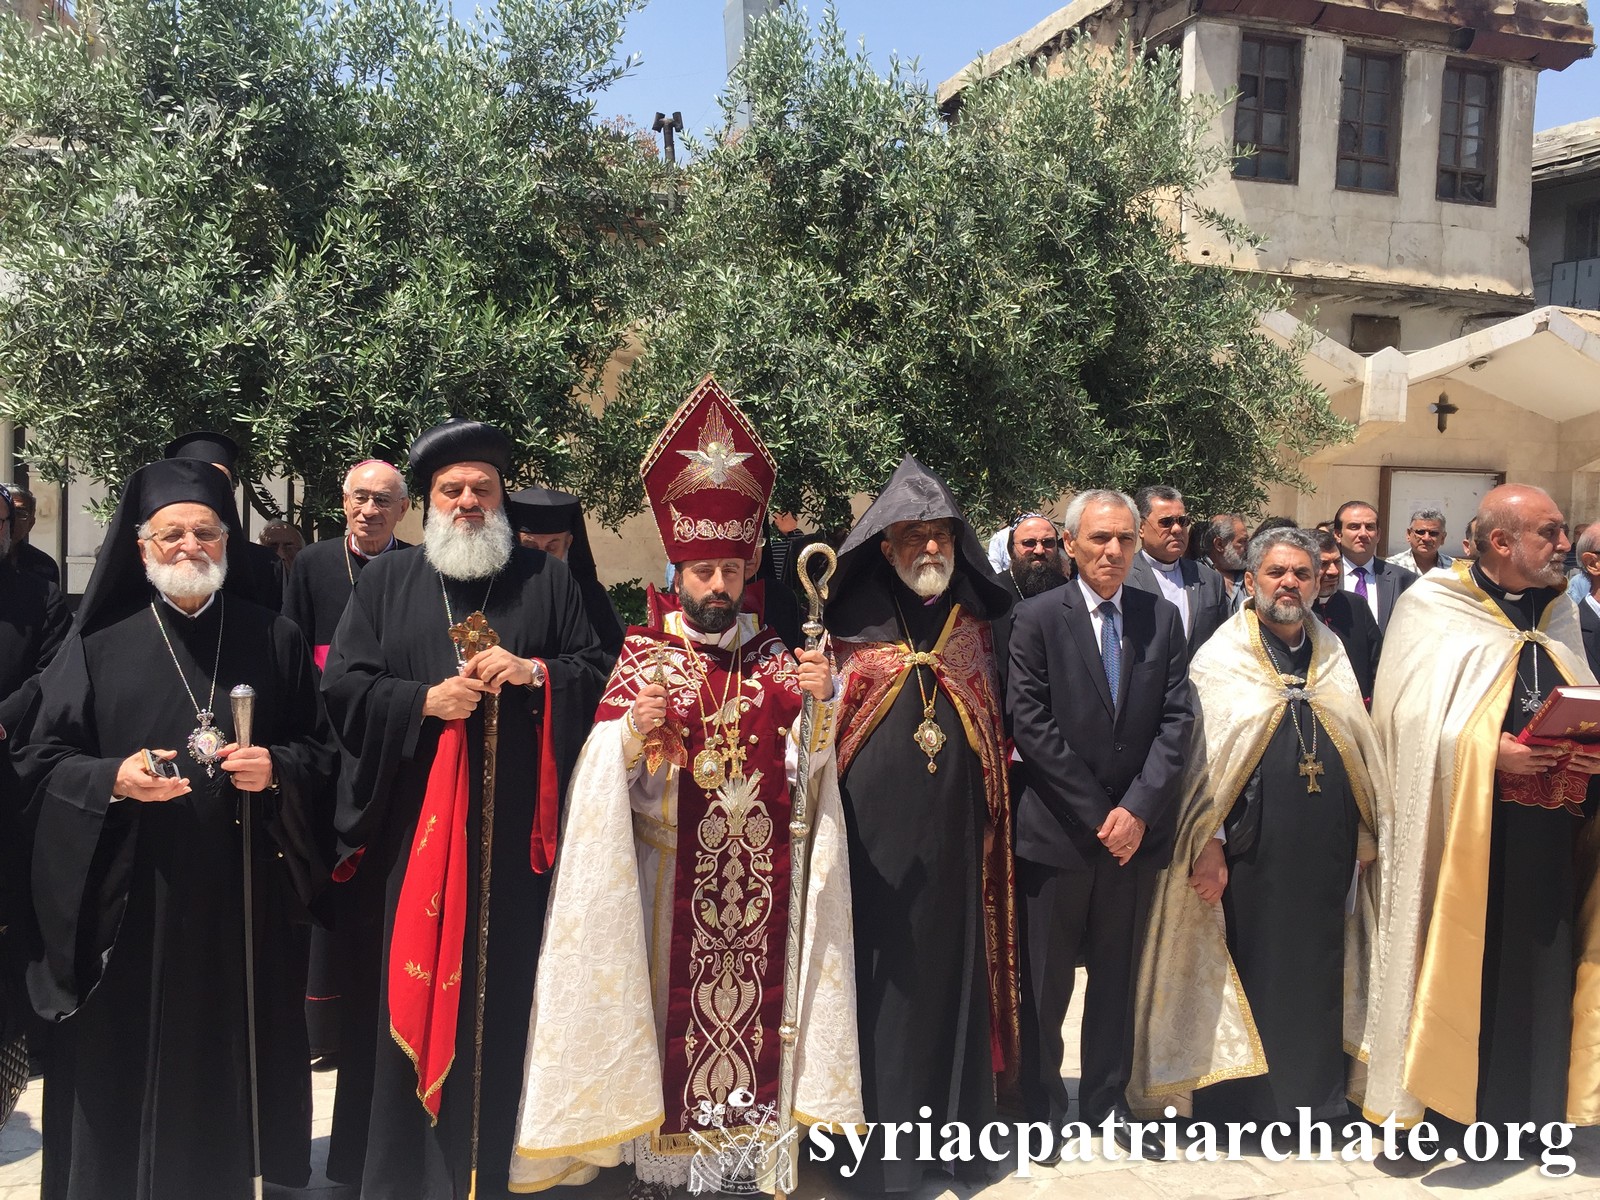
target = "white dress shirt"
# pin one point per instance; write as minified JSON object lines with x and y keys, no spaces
{"x":1094,"y":601}
{"x":1169,"y":578}
{"x":1372,"y":581}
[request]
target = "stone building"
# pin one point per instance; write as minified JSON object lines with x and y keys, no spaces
{"x":1385,"y":152}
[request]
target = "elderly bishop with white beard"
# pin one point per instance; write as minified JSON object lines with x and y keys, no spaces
{"x":138,"y":876}
{"x":407,"y":702}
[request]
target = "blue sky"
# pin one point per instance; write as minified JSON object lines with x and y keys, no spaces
{"x":683,"y":60}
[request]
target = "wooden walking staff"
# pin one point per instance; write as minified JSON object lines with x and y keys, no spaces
{"x":800,"y":819}
{"x":471,"y":636}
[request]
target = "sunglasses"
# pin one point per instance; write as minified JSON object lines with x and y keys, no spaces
{"x":1173,"y":522}
{"x":1045,"y":543}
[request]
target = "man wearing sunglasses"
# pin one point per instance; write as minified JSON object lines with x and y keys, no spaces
{"x":1161,"y":569}
{"x":1424,"y":543}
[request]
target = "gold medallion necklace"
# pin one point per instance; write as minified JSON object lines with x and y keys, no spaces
{"x":930,"y":739}
{"x":722,"y":754}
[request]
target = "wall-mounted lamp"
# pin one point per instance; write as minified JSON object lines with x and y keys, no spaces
{"x":1443,"y":409}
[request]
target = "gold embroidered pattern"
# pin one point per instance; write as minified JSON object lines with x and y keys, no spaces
{"x":416,"y":972}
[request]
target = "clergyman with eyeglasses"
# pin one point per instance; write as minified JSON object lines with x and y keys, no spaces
{"x":1162,"y":568}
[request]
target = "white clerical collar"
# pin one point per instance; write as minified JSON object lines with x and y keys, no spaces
{"x":350,"y":540}
{"x":743,"y":630}
{"x":1175,"y":567}
{"x":1094,"y":600}
{"x":190,"y":615}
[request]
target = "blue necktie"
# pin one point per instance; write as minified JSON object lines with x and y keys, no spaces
{"x":1110,"y":647}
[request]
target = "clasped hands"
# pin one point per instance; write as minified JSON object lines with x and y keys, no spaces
{"x":1516,"y":758}
{"x":649,"y":711}
{"x":249,"y":767}
{"x":486,"y":672}
{"x":1120,"y":833}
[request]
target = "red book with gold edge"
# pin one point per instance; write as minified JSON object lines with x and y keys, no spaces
{"x":1570,"y":717}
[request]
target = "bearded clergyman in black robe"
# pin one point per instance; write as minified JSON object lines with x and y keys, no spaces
{"x":922,"y":773}
{"x":346,"y":948}
{"x":406,"y":698}
{"x":138,"y":879}
{"x":1263,"y":1012}
{"x":259,"y":575}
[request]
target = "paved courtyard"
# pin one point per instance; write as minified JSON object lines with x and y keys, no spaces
{"x":1249,"y":1177}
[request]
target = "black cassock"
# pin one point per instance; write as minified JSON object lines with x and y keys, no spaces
{"x":342,"y":980}
{"x":391,"y":646}
{"x":1291,"y":859}
{"x":1525,"y":1030}
{"x":922,"y":984}
{"x":141,"y":910}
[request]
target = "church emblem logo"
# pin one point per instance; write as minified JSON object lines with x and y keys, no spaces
{"x":740,"y":1149}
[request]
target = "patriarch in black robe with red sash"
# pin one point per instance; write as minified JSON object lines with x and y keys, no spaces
{"x":922,"y":770}
{"x":138,"y":879}
{"x":654,"y":1037}
{"x":347,"y":949}
{"x":405,"y":700}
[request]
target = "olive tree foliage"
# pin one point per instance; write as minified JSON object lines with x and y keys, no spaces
{"x":318,"y":227}
{"x":1002,"y":296}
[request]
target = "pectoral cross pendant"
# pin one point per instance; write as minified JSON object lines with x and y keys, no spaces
{"x":1311,"y":767}
{"x":472,"y":635}
{"x":1532,"y":702}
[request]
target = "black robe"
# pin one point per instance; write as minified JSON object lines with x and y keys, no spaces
{"x":342,"y":979}
{"x":1525,"y":1031}
{"x":141,"y":913}
{"x":922,"y":984}
{"x":1291,"y":858}
{"x":391,"y":646}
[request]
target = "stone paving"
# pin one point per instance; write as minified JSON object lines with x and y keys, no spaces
{"x":1251,"y":1176}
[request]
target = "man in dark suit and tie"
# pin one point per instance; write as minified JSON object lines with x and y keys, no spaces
{"x":1345,"y":614}
{"x":1102,"y":715}
{"x":1588,"y":549}
{"x":1160,"y":567}
{"x":1379,"y":583}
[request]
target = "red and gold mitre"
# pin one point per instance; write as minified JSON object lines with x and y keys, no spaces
{"x":708,"y":478}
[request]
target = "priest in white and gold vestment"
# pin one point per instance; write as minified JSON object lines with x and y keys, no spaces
{"x":1253,"y":980}
{"x":655,"y":1032}
{"x":1486,"y":997}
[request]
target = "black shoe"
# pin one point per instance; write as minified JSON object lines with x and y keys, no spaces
{"x":1148,"y":1146}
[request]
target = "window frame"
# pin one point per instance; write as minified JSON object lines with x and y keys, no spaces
{"x":1582,"y":238}
{"x":1392,"y":125}
{"x":1291,"y":114}
{"x":1494,"y":76}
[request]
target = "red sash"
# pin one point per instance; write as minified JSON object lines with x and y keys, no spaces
{"x":547,"y":808}
{"x":430,"y":923}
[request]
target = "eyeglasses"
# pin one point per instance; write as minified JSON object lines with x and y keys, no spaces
{"x":1433,"y":533}
{"x":362,"y":498}
{"x":1042,"y":543}
{"x":1173,"y":522}
{"x":173,"y":535}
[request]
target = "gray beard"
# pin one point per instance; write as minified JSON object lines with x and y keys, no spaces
{"x":465,"y":551}
{"x":189,"y":579}
{"x":927,"y":579}
{"x":1281,"y":614}
{"x":1229,"y":559}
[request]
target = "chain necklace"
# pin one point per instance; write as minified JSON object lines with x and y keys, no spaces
{"x":722,"y":756}
{"x":205,"y":741}
{"x":930,"y":739}
{"x":1534,"y":700}
{"x":349,"y":568}
{"x":1310,"y":765}
{"x":450,"y":617}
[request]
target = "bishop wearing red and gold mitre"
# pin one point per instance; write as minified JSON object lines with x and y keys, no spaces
{"x":654,"y":1037}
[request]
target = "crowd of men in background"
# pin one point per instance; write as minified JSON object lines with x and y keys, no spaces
{"x":1067,"y":752}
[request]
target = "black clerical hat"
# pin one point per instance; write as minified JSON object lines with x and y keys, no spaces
{"x":205,"y":446}
{"x":118,"y":584}
{"x":544,"y":510}
{"x":458,"y":440}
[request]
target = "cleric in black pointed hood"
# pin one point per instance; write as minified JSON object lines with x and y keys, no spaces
{"x":545,"y":511}
{"x":863,"y":604}
{"x":118,"y":584}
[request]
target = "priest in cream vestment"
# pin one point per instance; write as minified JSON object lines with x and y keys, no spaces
{"x":1486,"y":997}
{"x":655,"y":1033}
{"x":1253,"y":980}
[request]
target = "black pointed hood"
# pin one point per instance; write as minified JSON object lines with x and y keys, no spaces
{"x":118,"y":584}
{"x":862,"y":607}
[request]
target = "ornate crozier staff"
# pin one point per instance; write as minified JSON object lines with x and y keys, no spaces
{"x":471,"y":636}
{"x":243,"y":700}
{"x":799,"y":873}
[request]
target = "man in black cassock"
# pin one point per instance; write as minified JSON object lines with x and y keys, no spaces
{"x":552,"y":521}
{"x":260,"y":572}
{"x":138,"y":879}
{"x":23,"y":554}
{"x":407,"y":709}
{"x":922,"y":775}
{"x":1278,"y":809}
{"x":342,"y":988}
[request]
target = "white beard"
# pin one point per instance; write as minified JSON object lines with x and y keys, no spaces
{"x":187,"y":578}
{"x":929,"y":576}
{"x":462,"y":550}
